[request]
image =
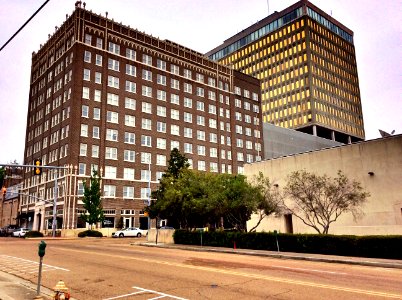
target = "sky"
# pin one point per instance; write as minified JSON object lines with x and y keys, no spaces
{"x":202,"y":25}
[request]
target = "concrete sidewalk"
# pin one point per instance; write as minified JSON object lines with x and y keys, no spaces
{"x":363,"y":261}
{"x":15,"y":288}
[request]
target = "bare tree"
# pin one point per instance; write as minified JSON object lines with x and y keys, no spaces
{"x":318,"y":201}
{"x":270,"y":198}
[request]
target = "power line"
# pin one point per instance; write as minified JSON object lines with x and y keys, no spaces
{"x":24,"y":24}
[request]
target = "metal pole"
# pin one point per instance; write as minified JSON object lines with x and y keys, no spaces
{"x":54,"y":205}
{"x":39,"y":276}
{"x":149,"y":195}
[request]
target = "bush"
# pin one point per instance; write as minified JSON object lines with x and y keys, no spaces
{"x":33,"y":234}
{"x":377,"y":246}
{"x":90,"y":233}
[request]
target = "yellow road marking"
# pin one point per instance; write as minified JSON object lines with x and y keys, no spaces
{"x":242,"y":274}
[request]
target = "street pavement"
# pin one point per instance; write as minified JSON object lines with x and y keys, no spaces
{"x":15,"y":288}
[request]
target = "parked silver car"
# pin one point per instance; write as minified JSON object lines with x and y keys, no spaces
{"x":131,"y":231}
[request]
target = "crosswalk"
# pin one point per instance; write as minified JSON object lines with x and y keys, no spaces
{"x":19,"y":266}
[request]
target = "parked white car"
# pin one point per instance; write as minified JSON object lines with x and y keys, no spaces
{"x":131,"y":231}
{"x":20,"y":232}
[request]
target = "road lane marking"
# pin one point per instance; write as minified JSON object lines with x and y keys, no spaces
{"x":247,"y":275}
{"x":12,"y":261}
{"x":309,"y":270}
{"x":142,"y":291}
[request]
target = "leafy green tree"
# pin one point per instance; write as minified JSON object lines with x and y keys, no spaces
{"x":270,"y":198}
{"x":318,"y":201}
{"x":92,"y":200}
{"x":177,"y":163}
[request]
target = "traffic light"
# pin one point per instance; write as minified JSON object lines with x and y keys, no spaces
{"x":42,"y":247}
{"x":38,"y":165}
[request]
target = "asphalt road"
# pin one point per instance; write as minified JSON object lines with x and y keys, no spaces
{"x":113,"y":269}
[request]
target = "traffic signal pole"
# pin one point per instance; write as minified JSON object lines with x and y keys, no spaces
{"x":54,"y":223}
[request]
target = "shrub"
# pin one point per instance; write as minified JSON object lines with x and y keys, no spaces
{"x":90,"y":233}
{"x":33,"y":234}
{"x":378,"y":246}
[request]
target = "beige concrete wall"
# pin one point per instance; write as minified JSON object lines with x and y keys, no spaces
{"x":383,"y":210}
{"x":165,"y":236}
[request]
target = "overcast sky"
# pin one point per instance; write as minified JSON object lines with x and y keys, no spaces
{"x":202,"y":25}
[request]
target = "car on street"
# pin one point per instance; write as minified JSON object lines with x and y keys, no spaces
{"x":8,"y":230}
{"x":130,"y":231}
{"x":20,"y":232}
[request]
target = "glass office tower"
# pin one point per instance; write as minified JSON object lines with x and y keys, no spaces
{"x":306,"y":62}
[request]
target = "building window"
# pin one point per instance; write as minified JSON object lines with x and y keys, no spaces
{"x":98,"y":77}
{"x":146,"y":124}
{"x":128,"y":192}
{"x":111,"y":153}
{"x":109,"y":190}
{"x":174,"y":69}
{"x":113,"y":64}
{"x":161,"y":143}
{"x":131,"y":70}
{"x":146,"y":59}
{"x":129,"y":155}
{"x":113,"y":99}
{"x":174,"y":130}
{"x":131,"y":54}
{"x":95,"y":132}
{"x":84,"y":111}
{"x":85,"y":93}
{"x":113,"y":81}
{"x":201,"y":150}
{"x":87,"y":56}
{"x":188,"y":132}
{"x":147,"y":75}
{"x":161,"y":160}
{"x":188,"y":102}
{"x":161,"y":79}
{"x":161,"y":95}
{"x":131,"y":87}
{"x":200,"y":106}
{"x":161,"y":111}
{"x":88,"y":39}
{"x":147,"y":107}
{"x":114,"y":48}
{"x":99,"y":43}
{"x":129,"y":120}
{"x":83,"y":149}
{"x":188,"y":148}
{"x":84,"y":130}
{"x":161,"y":127}
{"x":112,"y":117}
{"x":146,"y":141}
{"x":146,"y":91}
{"x":174,"y":84}
{"x":174,"y":114}
{"x":129,"y":138}
{"x":95,"y":151}
{"x":98,"y":60}
{"x":128,"y":174}
{"x":201,"y":165}
{"x":161,"y":64}
{"x":130,"y":103}
{"x":111,"y":135}
{"x":174,"y":99}
{"x":110,"y":172}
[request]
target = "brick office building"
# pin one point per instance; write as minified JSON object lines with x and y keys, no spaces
{"x":107,"y":97}
{"x":306,"y":62}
